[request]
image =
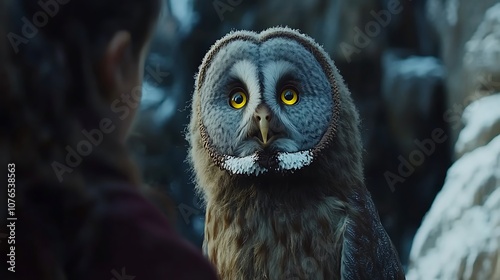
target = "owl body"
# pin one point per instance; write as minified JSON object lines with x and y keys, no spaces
{"x":276,"y":152}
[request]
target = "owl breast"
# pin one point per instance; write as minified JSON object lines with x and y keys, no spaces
{"x":278,"y":244}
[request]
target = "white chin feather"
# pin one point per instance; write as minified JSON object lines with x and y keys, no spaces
{"x":243,"y":165}
{"x":249,"y":165}
{"x":294,"y":161}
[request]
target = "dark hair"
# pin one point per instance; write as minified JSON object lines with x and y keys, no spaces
{"x":51,"y":96}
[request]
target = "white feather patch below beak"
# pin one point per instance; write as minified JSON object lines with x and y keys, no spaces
{"x":249,"y":165}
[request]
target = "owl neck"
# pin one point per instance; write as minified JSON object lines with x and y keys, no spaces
{"x":256,"y":235}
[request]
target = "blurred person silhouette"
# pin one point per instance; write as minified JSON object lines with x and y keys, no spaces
{"x":70,"y":84}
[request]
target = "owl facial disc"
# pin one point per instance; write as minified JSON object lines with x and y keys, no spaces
{"x":268,"y":102}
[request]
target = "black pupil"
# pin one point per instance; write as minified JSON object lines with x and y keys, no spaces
{"x":288,"y":95}
{"x":238,"y":98}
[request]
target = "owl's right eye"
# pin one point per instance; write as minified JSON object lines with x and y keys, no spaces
{"x":238,"y":98}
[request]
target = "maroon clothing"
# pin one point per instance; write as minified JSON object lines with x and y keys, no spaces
{"x":132,"y":241}
{"x":139,"y":239}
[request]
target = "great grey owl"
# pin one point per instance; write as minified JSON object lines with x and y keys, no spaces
{"x":276,"y":151}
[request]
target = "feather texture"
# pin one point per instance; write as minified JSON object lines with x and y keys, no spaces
{"x":282,"y":211}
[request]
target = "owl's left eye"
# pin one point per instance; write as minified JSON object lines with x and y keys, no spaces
{"x":289,"y":96}
{"x":238,"y":98}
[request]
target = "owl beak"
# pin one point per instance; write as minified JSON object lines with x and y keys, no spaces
{"x":264,"y":129}
{"x":262,"y":116}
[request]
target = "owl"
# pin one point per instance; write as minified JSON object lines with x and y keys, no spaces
{"x":275,"y":148}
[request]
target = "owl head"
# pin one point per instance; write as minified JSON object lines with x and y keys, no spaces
{"x":267,"y":102}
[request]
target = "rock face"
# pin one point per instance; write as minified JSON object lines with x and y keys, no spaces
{"x":482,"y":124}
{"x":346,"y":21}
{"x":455,"y":23}
{"x":411,"y":88}
{"x":483,"y":49}
{"x":460,"y":236}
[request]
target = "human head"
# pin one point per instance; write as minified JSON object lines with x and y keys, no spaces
{"x":115,"y":34}
{"x":63,"y":78}
{"x":71,"y":71}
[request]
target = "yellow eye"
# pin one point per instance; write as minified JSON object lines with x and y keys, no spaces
{"x":289,"y":96}
{"x":238,"y":99}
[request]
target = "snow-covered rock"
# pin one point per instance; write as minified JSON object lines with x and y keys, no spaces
{"x":483,"y":49}
{"x":456,"y":22}
{"x":460,"y":236}
{"x":482,"y":124}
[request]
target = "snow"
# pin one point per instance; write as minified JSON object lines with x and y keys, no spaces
{"x":482,"y":123}
{"x":483,"y":49}
{"x":460,"y":236}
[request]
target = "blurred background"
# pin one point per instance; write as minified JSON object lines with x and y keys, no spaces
{"x":413,"y":68}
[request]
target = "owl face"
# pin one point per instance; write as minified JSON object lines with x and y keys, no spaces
{"x":266,"y":102}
